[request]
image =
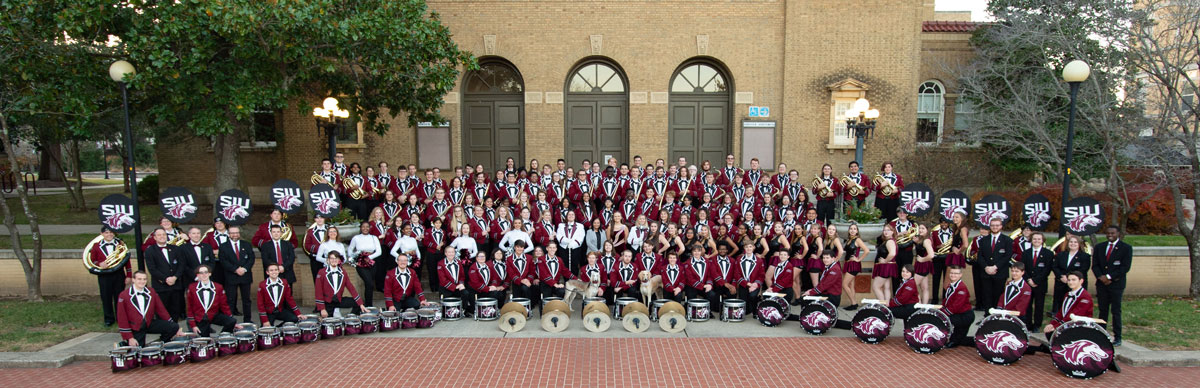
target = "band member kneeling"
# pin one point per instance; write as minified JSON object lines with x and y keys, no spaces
{"x":956,"y":303}
{"x":750,"y":277}
{"x":623,"y":279}
{"x":452,"y":279}
{"x":140,"y":311}
{"x":331,"y":284}
{"x":673,"y":279}
{"x":206,"y":304}
{"x":401,"y":288}
{"x":482,"y":280}
{"x":552,"y":272}
{"x":906,"y":297}
{"x":275,"y":302}
{"x":1078,"y":302}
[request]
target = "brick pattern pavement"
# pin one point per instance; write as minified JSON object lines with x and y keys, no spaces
{"x":606,"y":362}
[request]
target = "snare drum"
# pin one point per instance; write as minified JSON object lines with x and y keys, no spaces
{"x":352,"y":325}
{"x":291,"y":334}
{"x":150,"y":356}
{"x":269,"y":338}
{"x":370,"y":323}
{"x":175,"y":352}
{"x":528,"y":306}
{"x":733,"y":310}
{"x":410,"y":320}
{"x":927,"y":331}
{"x":654,"y":306}
{"x":872,"y":323}
{"x":124,"y":358}
{"x":245,"y":326}
{"x":697,"y":310}
{"x":389,"y":320}
{"x":226,"y":345}
{"x":772,"y":311}
{"x":202,"y":349}
{"x":1001,"y":339}
{"x":587,"y":301}
{"x":425,"y":318}
{"x":817,"y":317}
{"x":621,"y":303}
{"x":372,"y":310}
{"x":437,"y":311}
{"x":453,"y":309}
{"x":246,"y":340}
{"x":309,"y":331}
{"x":1081,"y":349}
{"x":486,"y":310}
{"x":332,"y":327}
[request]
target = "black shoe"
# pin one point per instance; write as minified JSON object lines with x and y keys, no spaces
{"x":234,"y":313}
{"x":108,"y":324}
{"x":851,"y":307}
{"x":123,"y":343}
{"x":951,"y":345}
{"x":1117,"y":343}
{"x":796,"y":302}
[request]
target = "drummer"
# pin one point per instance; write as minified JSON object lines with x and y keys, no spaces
{"x":906,"y":295}
{"x":331,"y":284}
{"x":673,"y":279}
{"x":1016,"y":292}
{"x":956,"y":303}
{"x":552,"y":273}
{"x":452,"y":279}
{"x":591,"y":271}
{"x":623,"y":279}
{"x":779,"y":275}
{"x":1078,"y":301}
{"x":275,"y":301}
{"x":750,"y":277}
{"x":725,"y":281}
{"x":206,"y":305}
{"x":402,"y":288}
{"x":829,"y":283}
{"x":140,"y":311}
{"x":482,"y":281}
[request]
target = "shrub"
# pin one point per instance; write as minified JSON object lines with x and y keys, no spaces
{"x":148,"y":189}
{"x":865,"y":214}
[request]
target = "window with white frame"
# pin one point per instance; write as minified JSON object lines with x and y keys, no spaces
{"x":841,"y":134}
{"x":930,"y":109}
{"x":964,"y":117}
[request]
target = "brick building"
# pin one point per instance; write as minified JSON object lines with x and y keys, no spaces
{"x":659,"y":79}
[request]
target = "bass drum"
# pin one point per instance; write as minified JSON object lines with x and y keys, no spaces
{"x":872,"y":323}
{"x":1081,"y":350}
{"x":1001,"y":339}
{"x":927,"y":331}
{"x":817,"y":317}
{"x":772,"y":311}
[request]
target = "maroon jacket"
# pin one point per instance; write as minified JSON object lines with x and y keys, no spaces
{"x":670,"y":283}
{"x":782,"y":279}
{"x":956,"y":299}
{"x":1079,"y":304}
{"x":624,"y":272}
{"x":431,"y":211}
{"x":97,"y":256}
{"x":725,"y":271}
{"x":393,"y":290}
{"x":649,"y":260}
{"x":586,"y":272}
{"x":906,"y":294}
{"x":863,"y":180}
{"x":699,"y":271}
{"x":196,"y":310}
{"x":479,"y":279}
{"x":271,"y":302}
{"x":1015,"y":296}
{"x":450,"y":276}
{"x":551,"y":270}
{"x":747,"y":273}
{"x":830,"y":280}
{"x":527,"y":271}
{"x":264,"y":234}
{"x":899,"y":186}
{"x":435,"y":240}
{"x":330,"y":285}
{"x":130,"y":318}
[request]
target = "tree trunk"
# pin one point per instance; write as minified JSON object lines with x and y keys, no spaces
{"x":74,"y":189}
{"x":31,"y":266}
{"x":227,"y":150}
{"x":49,"y":167}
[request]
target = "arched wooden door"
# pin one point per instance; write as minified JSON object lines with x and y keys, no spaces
{"x":596,"y":116}
{"x":699,"y":113}
{"x":493,"y":115}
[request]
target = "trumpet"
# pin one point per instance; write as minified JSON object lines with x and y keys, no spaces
{"x":353,"y":188}
{"x":178,"y":240}
{"x":823,"y":191}
{"x":851,"y":185}
{"x":114,"y":261}
{"x":1015,"y":233}
{"x":885,"y":186}
{"x":318,"y":179}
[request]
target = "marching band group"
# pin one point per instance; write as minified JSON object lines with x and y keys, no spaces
{"x":708,"y":232}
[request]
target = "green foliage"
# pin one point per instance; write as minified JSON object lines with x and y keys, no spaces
{"x":865,"y":214}
{"x":32,"y":326}
{"x":148,"y":189}
{"x":344,"y":217}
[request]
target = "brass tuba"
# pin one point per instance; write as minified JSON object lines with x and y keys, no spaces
{"x":114,"y":261}
{"x":823,"y":191}
{"x":353,"y":188}
{"x":178,"y":240}
{"x":318,"y":179}
{"x":852,"y":186}
{"x":904,"y":239}
{"x":285,"y":229}
{"x":885,"y":186}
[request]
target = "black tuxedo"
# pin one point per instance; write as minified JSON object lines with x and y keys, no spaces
{"x":1082,"y":262}
{"x":994,"y":250}
{"x":164,"y":262}
{"x":1039,"y":272}
{"x":234,"y":283}
{"x":287,"y":254}
{"x":192,"y":262}
{"x":1111,"y":264}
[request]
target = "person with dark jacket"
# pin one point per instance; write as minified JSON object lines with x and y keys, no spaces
{"x":166,"y":268}
{"x":237,"y":258}
{"x":995,"y":254}
{"x":1113,"y":259}
{"x":1039,"y":263}
{"x":1071,"y":259}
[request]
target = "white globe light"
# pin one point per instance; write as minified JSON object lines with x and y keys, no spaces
{"x":1076,"y":71}
{"x":330,"y":104}
{"x":119,"y":69}
{"x":862,"y":105}
{"x":873,"y":114}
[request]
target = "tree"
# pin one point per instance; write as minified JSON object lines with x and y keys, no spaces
{"x":1015,"y":83}
{"x":212,"y":64}
{"x":1165,"y":49}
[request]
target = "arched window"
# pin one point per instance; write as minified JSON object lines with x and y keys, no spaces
{"x":494,"y":77}
{"x":930,"y":108}
{"x":596,"y":77}
{"x":699,"y":78}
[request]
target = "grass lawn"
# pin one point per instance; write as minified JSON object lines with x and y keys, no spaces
{"x":53,"y":209}
{"x":1162,"y":322}
{"x":66,"y":241}
{"x":1172,"y":240}
{"x":29,"y":326}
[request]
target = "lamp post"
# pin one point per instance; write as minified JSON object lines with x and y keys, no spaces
{"x":861,"y":118}
{"x":1074,"y":73}
{"x":119,"y":71}
{"x":327,"y":116}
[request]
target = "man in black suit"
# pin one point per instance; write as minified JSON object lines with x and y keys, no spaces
{"x":195,"y":253}
{"x":1113,"y":259}
{"x":1071,"y":259}
{"x":167,"y":271}
{"x":1039,"y":262}
{"x":237,"y":257}
{"x":280,"y":252}
{"x":995,"y":255}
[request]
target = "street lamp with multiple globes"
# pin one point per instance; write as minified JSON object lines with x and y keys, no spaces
{"x":119,"y":71}
{"x":861,"y":119}
{"x":1074,"y":73}
{"x":327,"y":118}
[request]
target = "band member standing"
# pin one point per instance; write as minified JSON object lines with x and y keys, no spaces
{"x":364,"y":250}
{"x":1072,"y":259}
{"x":1039,"y":262}
{"x":957,"y":305}
{"x":552,"y":273}
{"x":856,"y":250}
{"x":141,"y":312}
{"x":862,"y":181}
{"x":275,"y":302}
{"x":623,"y":279}
{"x":887,"y":204}
{"x":1110,"y":273}
{"x":825,"y":203}
{"x":237,"y":259}
{"x":904,"y":253}
{"x":166,"y":266}
{"x":482,"y":280}
{"x":113,"y":282}
{"x":570,"y":240}
{"x":995,"y":255}
{"x":435,"y":244}
{"x":207,"y":305}
{"x":175,"y":236}
{"x":313,"y":237}
{"x":452,"y":279}
{"x":280,"y":252}
{"x":331,"y":285}
{"x":902,"y":303}
{"x":195,"y":253}
{"x":264,"y":231}
{"x":885,"y":264}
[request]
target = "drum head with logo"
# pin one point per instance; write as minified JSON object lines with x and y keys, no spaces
{"x":772,"y":312}
{"x":1081,"y":350}
{"x":817,"y":317}
{"x":872,"y":323}
{"x":1001,"y":339}
{"x":927,"y":331}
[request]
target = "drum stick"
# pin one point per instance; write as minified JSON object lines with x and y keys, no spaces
{"x":927,"y":306}
{"x":995,"y":311}
{"x":773,"y":294}
{"x":869,"y":301}
{"x":814,"y":297}
{"x":1086,"y":319}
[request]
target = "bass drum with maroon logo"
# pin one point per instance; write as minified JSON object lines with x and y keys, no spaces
{"x":1001,"y":339}
{"x":1081,"y":349}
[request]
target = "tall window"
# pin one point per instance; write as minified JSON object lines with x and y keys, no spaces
{"x":964,"y":118}
{"x":841,"y":134}
{"x":930,"y":107}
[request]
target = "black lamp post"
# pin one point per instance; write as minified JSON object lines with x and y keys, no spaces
{"x":327,"y":119}
{"x":119,"y":71}
{"x":1074,"y":73}
{"x":861,"y":119}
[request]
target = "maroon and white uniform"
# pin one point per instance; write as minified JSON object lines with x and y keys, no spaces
{"x":956,"y":299}
{"x":401,"y":284}
{"x":204,"y":302}
{"x":551,"y":270}
{"x":332,"y":283}
{"x":905,"y":294}
{"x":274,"y":296}
{"x":782,"y":278}
{"x":136,"y":309}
